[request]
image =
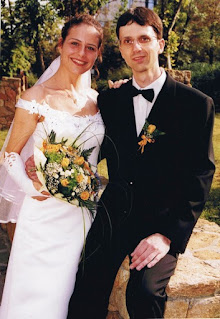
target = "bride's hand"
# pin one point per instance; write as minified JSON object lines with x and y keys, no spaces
{"x":31,"y":172}
{"x":116,"y":84}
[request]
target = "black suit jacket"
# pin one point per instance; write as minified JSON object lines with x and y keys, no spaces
{"x":164,"y":189}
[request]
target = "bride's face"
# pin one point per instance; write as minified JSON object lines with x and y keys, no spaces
{"x":80,"y":48}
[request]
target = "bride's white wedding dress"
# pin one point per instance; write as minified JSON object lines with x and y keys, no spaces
{"x":49,"y":235}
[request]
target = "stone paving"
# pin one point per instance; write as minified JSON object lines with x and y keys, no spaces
{"x":194,"y":290}
{"x":4,"y":254}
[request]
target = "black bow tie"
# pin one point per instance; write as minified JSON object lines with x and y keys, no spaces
{"x":147,"y":94}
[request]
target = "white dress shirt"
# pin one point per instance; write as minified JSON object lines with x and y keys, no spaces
{"x":142,"y":107}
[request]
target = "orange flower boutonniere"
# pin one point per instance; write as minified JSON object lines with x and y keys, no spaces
{"x":150,"y":132}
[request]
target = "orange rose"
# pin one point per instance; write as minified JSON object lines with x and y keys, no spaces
{"x":79,"y":178}
{"x":65,"y":162}
{"x":64,"y":182}
{"x":53,"y":147}
{"x":86,"y":166}
{"x":151,"y":128}
{"x":84,"y":195}
{"x":79,"y":160}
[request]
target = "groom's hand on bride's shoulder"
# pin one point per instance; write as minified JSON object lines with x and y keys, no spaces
{"x":116,"y":84}
{"x":149,"y":251}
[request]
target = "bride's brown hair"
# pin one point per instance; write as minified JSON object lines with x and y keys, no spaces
{"x":82,"y":19}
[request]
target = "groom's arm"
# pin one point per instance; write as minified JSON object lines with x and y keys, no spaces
{"x":196,"y":179}
{"x":196,"y":183}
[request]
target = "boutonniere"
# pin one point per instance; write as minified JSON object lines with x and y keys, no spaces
{"x":150,"y":132}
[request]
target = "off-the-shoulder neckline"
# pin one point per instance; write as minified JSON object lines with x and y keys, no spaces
{"x":65,"y":112}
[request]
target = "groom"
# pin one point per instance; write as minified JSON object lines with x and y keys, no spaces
{"x":160,"y":163}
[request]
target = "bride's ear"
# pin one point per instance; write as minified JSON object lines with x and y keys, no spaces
{"x":60,"y":45}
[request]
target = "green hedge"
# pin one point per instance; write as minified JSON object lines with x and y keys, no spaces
{"x":206,"y":78}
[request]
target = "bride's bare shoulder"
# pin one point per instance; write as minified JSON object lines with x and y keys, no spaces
{"x":36,"y":93}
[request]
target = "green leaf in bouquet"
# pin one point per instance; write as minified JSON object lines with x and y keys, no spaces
{"x":63,"y":141}
{"x":72,"y":183}
{"x":54,"y":157}
{"x":52,"y":137}
{"x":87,"y":153}
{"x":65,"y":190}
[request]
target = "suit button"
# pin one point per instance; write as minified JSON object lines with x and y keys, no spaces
{"x":125,"y":212}
{"x":131,"y":183}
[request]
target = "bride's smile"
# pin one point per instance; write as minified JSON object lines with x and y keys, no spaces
{"x":79,"y":50}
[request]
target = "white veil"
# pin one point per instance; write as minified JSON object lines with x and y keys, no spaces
{"x":11,"y":197}
{"x":84,"y":82}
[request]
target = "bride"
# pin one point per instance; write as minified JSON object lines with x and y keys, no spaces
{"x":50,"y":233}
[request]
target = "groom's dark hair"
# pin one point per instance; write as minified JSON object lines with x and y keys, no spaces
{"x":142,"y":16}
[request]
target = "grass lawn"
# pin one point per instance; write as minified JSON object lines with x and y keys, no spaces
{"x":2,"y":137}
{"x":212,"y":207}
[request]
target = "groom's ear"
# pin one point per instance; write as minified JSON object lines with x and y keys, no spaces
{"x":162,"y":45}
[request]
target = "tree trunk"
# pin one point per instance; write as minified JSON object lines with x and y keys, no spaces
{"x":40,"y":67}
{"x":169,"y":65}
{"x":188,"y":18}
{"x":170,"y":30}
{"x":175,"y":17}
{"x":11,"y":18}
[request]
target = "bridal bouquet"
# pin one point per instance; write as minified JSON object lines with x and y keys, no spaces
{"x":64,"y":171}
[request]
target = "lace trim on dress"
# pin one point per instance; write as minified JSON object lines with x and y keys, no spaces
{"x":44,"y":109}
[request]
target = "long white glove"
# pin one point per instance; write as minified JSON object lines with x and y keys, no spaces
{"x":15,"y":168}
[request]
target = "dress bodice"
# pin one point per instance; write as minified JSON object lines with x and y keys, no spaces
{"x":89,"y":129}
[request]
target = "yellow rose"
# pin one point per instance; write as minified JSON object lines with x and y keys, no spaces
{"x":64,"y":182}
{"x":65,"y":162}
{"x":53,"y":147}
{"x":151,"y":128}
{"x":79,"y":178}
{"x":89,"y":180}
{"x":84,"y":195}
{"x":79,"y":160}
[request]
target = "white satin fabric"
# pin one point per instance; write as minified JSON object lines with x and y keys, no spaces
{"x":49,"y":234}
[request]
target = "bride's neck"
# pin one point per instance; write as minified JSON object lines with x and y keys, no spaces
{"x":64,"y":80}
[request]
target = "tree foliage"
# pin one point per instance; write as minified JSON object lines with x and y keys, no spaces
{"x":191,"y":30}
{"x":204,"y":31}
{"x":67,"y":8}
{"x":28,"y":29}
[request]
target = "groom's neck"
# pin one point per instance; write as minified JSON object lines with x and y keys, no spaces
{"x":145,"y":78}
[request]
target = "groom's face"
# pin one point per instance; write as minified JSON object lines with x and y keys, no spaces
{"x":140,"y":47}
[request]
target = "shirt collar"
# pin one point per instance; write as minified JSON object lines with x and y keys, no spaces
{"x":156,"y":85}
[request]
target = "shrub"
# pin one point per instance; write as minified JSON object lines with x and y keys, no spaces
{"x":206,"y":78}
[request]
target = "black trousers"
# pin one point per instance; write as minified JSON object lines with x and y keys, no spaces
{"x":145,"y":295}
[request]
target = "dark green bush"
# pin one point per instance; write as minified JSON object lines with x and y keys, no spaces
{"x":206,"y":78}
{"x":121,"y":73}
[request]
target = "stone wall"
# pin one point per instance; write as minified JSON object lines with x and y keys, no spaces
{"x":10,"y":90}
{"x":183,"y":76}
{"x":194,"y":289}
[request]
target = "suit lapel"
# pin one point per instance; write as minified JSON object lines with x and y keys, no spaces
{"x":127,"y":116}
{"x":160,"y":114}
